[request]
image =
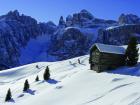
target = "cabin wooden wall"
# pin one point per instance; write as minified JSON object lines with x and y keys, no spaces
{"x":101,"y":61}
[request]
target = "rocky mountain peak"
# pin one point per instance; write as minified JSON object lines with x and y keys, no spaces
{"x":11,"y":15}
{"x":84,"y":11}
{"x":62,"y":22}
{"x":15,"y":12}
{"x":129,"y":19}
{"x":50,"y":23}
{"x":69,"y":18}
{"x":86,"y":14}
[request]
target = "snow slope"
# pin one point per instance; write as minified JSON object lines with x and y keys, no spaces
{"x":36,"y":50}
{"x":71,"y":84}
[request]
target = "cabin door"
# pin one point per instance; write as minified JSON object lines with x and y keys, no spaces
{"x":92,"y":66}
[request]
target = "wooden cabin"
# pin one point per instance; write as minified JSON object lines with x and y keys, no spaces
{"x":106,"y":57}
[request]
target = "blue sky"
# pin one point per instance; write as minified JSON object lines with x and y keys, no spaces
{"x":45,"y":10}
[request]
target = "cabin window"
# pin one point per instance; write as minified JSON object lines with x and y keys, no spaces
{"x":95,"y":53}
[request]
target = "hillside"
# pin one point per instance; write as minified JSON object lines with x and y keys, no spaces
{"x":71,"y":84}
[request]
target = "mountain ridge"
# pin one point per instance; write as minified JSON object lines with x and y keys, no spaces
{"x":72,"y":37}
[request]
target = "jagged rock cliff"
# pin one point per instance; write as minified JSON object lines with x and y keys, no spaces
{"x":15,"y":32}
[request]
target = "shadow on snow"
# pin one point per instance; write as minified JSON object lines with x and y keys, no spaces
{"x":132,"y":71}
{"x":32,"y":92}
{"x":50,"y":81}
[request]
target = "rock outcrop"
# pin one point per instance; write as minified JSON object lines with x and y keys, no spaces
{"x":119,"y":35}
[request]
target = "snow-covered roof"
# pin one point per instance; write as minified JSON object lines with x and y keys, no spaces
{"x":110,"y":48}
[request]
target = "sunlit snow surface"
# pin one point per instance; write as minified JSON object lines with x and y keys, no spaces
{"x":71,"y":84}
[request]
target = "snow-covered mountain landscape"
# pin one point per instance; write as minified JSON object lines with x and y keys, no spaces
{"x":71,"y":83}
{"x":72,"y":37}
{"x":69,"y":52}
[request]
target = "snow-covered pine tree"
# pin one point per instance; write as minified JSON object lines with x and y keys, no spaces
{"x":46,"y":74}
{"x":132,"y":52}
{"x":8,"y":95}
{"x":37,"y":78}
{"x":26,"y":85}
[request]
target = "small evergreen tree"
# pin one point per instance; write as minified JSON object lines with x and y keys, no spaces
{"x":8,"y":96}
{"x":37,"y":66}
{"x":26,"y":85}
{"x":46,"y":74}
{"x":131,"y":54}
{"x":37,"y":78}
